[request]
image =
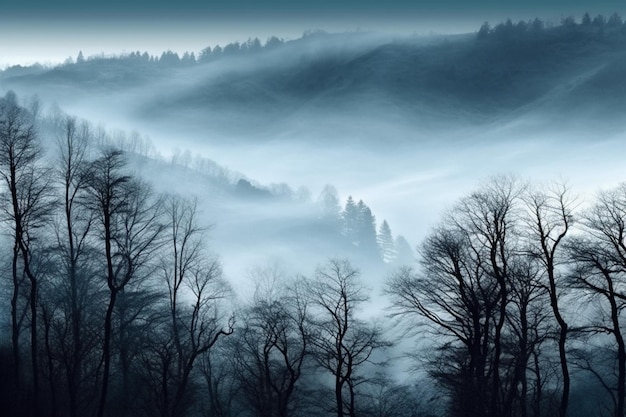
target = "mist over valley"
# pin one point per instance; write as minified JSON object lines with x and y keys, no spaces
{"x":385,"y":118}
{"x":284,"y":228}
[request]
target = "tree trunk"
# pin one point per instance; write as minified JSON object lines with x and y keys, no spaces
{"x":106,"y":353}
{"x":338,"y":396}
{"x":562,"y":338}
{"x":33,"y":341}
{"x":15,"y":325}
{"x":621,"y":351}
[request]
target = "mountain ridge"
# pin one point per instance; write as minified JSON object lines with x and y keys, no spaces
{"x":508,"y":72}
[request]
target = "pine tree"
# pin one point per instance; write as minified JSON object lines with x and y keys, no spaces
{"x":386,"y":244}
{"x":404,"y":253}
{"x":484,"y":31}
{"x":350,"y":220}
{"x":366,"y":229}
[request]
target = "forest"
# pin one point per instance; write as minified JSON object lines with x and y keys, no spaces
{"x":115,"y":303}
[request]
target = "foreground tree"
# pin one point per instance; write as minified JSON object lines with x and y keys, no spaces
{"x":128,"y":220}
{"x":599,"y":260}
{"x":27,"y":205}
{"x":70,"y":308}
{"x":459,"y":303}
{"x":549,"y":221}
{"x":476,"y":291}
{"x":342,"y":343}
{"x":270,"y":349}
{"x":195,"y":322}
{"x":73,"y":146}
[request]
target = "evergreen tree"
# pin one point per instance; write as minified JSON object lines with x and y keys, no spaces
{"x":273,"y":42}
{"x":253,"y":45}
{"x":169,"y":58}
{"x":404,"y":253}
{"x":350,"y":221}
{"x":205,"y":54}
{"x":366,"y":229}
{"x":484,"y":31}
{"x":386,"y":244}
{"x":586,"y":20}
{"x":599,"y":21}
{"x":537,"y":26}
{"x":186,"y":59}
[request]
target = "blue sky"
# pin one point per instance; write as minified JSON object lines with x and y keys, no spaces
{"x":47,"y":31}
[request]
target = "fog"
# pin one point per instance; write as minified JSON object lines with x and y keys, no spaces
{"x":369,"y":113}
{"x":275,"y":139}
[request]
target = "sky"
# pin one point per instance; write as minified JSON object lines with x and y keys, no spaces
{"x":49,"y":32}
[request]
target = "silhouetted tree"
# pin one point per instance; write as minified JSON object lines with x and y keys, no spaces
{"x":459,"y":302}
{"x":270,"y":348}
{"x":469,"y":274}
{"x":484,"y":31}
{"x":599,"y":263}
{"x":549,"y":222}
{"x":384,"y":397}
{"x":74,"y":256}
{"x":341,"y":342}
{"x":129,"y":228}
{"x":27,"y":205}
{"x":195,"y":290}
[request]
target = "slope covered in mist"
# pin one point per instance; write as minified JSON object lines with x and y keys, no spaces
{"x":512,"y":72}
{"x":253,"y":224}
{"x":405,"y":123}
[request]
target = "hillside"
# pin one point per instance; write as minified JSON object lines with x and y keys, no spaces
{"x":374,"y":115}
{"x":178,"y":246}
{"x":427,"y":82}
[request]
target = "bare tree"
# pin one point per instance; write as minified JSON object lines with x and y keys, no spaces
{"x":341,"y":342}
{"x":27,"y":205}
{"x":459,"y":302}
{"x":487,"y":218}
{"x":129,"y":226}
{"x":193,"y":278}
{"x":550,"y":218}
{"x":599,"y":260}
{"x":270,"y":348}
{"x":478,"y":291}
{"x":74,"y":246}
{"x":388,"y":398}
{"x":527,"y":331}
{"x":222,"y":388}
